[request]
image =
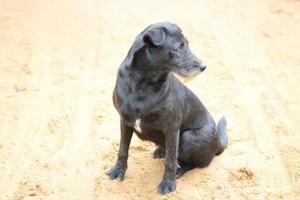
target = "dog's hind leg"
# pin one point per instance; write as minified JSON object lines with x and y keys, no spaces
{"x":159,"y":152}
{"x":183,"y":168}
{"x":198,"y":147}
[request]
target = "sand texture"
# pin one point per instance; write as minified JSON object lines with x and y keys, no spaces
{"x":59,"y":132}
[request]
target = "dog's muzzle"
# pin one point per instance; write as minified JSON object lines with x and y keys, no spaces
{"x":199,"y":65}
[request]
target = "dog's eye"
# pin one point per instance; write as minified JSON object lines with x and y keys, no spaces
{"x":181,"y":45}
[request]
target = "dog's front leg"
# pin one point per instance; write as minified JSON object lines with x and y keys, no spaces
{"x":118,"y":171}
{"x":168,"y":183}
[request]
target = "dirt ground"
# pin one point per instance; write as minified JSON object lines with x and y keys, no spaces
{"x":59,"y":132}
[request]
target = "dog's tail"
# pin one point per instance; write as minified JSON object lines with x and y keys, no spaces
{"x":223,"y":138}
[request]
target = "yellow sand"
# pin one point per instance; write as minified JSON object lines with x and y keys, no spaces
{"x":59,"y":132}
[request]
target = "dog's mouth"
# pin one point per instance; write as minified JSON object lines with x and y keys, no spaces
{"x":190,"y":69}
{"x":185,"y":77}
{"x":189,"y":73}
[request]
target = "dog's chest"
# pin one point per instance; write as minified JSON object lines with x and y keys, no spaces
{"x":137,"y":125}
{"x":144,"y":125}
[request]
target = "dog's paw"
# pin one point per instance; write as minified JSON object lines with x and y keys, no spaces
{"x":117,"y":172}
{"x":166,"y":186}
{"x":159,"y":152}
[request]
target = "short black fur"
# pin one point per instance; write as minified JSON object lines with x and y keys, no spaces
{"x":167,"y":113}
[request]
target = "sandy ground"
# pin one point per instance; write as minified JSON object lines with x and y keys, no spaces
{"x":59,"y":132}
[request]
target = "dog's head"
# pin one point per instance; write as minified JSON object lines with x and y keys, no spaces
{"x":163,"y":47}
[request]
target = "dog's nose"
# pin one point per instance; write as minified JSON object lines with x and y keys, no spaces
{"x":202,"y":67}
{"x":199,"y":65}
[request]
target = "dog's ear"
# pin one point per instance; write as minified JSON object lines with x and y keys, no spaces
{"x":149,"y":37}
{"x":154,"y":37}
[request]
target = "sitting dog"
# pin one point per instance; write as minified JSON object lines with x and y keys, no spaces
{"x":155,"y":105}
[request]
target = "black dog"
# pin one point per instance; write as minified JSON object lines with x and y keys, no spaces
{"x":155,"y":105}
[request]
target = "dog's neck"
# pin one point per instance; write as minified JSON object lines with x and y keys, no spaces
{"x":138,"y":70}
{"x":146,"y":81}
{"x":142,"y":84}
{"x":141,"y":90}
